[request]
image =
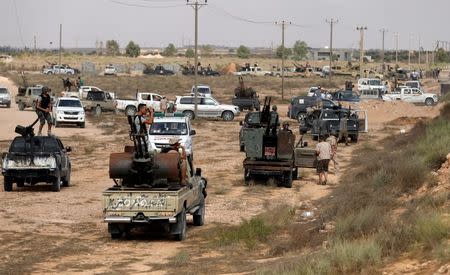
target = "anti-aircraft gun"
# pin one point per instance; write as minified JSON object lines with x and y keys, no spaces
{"x":245,"y":97}
{"x":152,"y":186}
{"x":269,"y":150}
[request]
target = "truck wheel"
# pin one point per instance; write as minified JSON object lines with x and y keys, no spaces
{"x":247,"y":177}
{"x":82,"y":124}
{"x":189,"y":114}
{"x":115,"y":231}
{"x":33,"y":106}
{"x":56,"y":124}
{"x":98,"y":111}
{"x":130,"y":110}
{"x":429,"y":101}
{"x":295,"y":174}
{"x":8,"y":184}
{"x":8,"y":105}
{"x":66,"y":179}
{"x":21,"y":106}
{"x":301,"y":117}
{"x":228,"y":116}
{"x":181,"y":224}
{"x":354,"y":138}
{"x":20,"y":183}
{"x":287,"y":179}
{"x":56,"y":184}
{"x":242,"y":148}
{"x":199,"y":215}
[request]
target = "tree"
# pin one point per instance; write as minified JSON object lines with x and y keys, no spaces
{"x":190,"y":53}
{"x":300,"y":50}
{"x":206,"y":49}
{"x":133,"y":49}
{"x":441,"y":56}
{"x":287,"y":52}
{"x":112,"y":47}
{"x":170,"y":50}
{"x":243,"y":52}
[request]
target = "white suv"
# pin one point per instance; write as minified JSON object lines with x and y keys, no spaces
{"x":167,"y":126}
{"x":110,"y":70}
{"x":203,"y":90}
{"x":371,"y":84}
{"x":207,"y":107}
{"x":68,"y":110}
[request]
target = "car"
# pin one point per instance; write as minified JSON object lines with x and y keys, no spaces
{"x":370,"y":84}
{"x":59,"y":69}
{"x":169,"y":125}
{"x":328,"y":122}
{"x":110,"y":70}
{"x":297,"y":109}
{"x":412,"y":95}
{"x":345,"y":95}
{"x":129,"y":106}
{"x":99,"y":101}
{"x":203,"y":90}
{"x":158,"y":70}
{"x":5,"y":97}
{"x":68,"y":110}
{"x":34,"y":159}
{"x":207,"y":107}
{"x":27,"y":97}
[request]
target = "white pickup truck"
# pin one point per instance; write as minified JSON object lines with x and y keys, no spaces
{"x":255,"y":71}
{"x":130,"y":105}
{"x":58,"y":69}
{"x":412,"y":95}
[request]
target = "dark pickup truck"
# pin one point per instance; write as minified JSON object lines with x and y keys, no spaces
{"x":34,"y":159}
{"x":297,"y":109}
{"x":328,"y":121}
{"x":158,"y":70}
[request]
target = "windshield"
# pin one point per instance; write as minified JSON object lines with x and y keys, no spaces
{"x":168,"y":128}
{"x":3,"y":91}
{"x":36,"y":91}
{"x":69,"y":103}
{"x":98,"y":96}
{"x":330,"y":115}
{"x":37,"y":144}
{"x":374,"y":82}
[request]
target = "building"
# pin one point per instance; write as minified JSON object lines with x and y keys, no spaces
{"x":324,"y":54}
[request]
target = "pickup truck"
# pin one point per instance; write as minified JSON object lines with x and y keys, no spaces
{"x":254,"y":71}
{"x":203,"y":90}
{"x":130,"y":105}
{"x":158,"y":70}
{"x":36,"y":159}
{"x":26,"y":97}
{"x":98,"y":102}
{"x":58,"y":69}
{"x":5,"y":97}
{"x":412,"y":95}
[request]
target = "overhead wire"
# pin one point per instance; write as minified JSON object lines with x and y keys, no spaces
{"x":146,"y":6}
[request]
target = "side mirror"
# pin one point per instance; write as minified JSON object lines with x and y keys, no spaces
{"x":241,"y":123}
{"x":192,"y":133}
{"x":68,"y":149}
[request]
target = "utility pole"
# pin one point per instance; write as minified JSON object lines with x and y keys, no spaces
{"x":331,"y":22}
{"x":419,"y":51}
{"x":361,"y":49}
{"x":283,"y":26}
{"x":60,"y":43}
{"x":409,"y":50}
{"x":196,"y":5}
{"x":34,"y":43}
{"x":396,"y":47}
{"x":383,"y":31}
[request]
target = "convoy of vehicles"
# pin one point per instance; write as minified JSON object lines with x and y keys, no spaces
{"x":5,"y":97}
{"x":68,"y":110}
{"x":207,"y":107}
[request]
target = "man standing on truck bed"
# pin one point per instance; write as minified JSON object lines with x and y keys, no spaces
{"x":43,"y":110}
{"x":323,"y":152}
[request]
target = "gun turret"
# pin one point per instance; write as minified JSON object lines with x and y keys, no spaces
{"x":26,"y":131}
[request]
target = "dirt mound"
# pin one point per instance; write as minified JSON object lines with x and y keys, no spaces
{"x":229,"y":69}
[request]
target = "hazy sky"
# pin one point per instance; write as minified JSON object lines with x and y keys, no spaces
{"x":222,"y":22}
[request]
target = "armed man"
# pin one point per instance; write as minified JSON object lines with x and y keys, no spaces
{"x":43,"y":109}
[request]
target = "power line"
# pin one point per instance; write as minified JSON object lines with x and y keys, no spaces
{"x":145,"y":6}
{"x":18,"y":23}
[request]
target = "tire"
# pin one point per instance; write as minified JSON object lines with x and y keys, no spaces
{"x":181,"y":222}
{"x":98,"y":110}
{"x":82,"y":124}
{"x":295,"y":174}
{"x":287,"y":179}
{"x":33,"y":106}
{"x":199,"y":215}
{"x":247,"y":177}
{"x":228,"y":116}
{"x":21,"y":106}
{"x":116,"y":236}
{"x":56,"y":184}
{"x":56,"y":124}
{"x":301,"y":117}
{"x":242,"y":148}
{"x":130,"y":110}
{"x":8,"y":184}
{"x":189,"y":114}
{"x":115,"y":231}
{"x":66,"y":179}
{"x":354,"y":138}
{"x":20,"y":183}
{"x":429,"y":102}
{"x":8,"y":105}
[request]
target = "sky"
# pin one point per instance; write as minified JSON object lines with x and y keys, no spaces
{"x":155,"y":23}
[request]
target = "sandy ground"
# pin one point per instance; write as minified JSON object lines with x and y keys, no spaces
{"x":45,"y":232}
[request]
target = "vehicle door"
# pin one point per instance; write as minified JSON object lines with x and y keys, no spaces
{"x":407,"y":95}
{"x":146,"y":98}
{"x":156,"y":102}
{"x":209,"y":107}
{"x":65,"y":163}
{"x":416,"y":96}
{"x":363,"y":121}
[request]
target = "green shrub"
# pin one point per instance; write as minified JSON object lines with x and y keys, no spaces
{"x":363,"y":222}
{"x":353,"y":256}
{"x":250,"y":232}
{"x":430,"y":228}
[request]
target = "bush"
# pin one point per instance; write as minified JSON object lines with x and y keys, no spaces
{"x":243,"y":52}
{"x":435,"y":145}
{"x":353,"y":256}
{"x":249,"y":232}
{"x":430,"y":228}
{"x":363,"y":222}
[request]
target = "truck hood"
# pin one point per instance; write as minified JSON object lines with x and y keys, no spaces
{"x":70,"y":109}
{"x":164,"y":140}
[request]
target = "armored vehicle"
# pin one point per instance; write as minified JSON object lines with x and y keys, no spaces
{"x":153,"y":188}
{"x":271,"y":151}
{"x":33,"y":159}
{"x":245,"y":98}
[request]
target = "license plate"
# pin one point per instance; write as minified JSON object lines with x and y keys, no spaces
{"x":269,"y":151}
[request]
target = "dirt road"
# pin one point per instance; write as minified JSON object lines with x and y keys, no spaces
{"x":45,"y":232}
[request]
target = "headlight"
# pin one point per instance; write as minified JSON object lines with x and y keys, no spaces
{"x":60,"y":112}
{"x":82,"y":113}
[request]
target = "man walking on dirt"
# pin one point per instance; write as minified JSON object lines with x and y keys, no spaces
{"x":323,"y":152}
{"x":332,"y":140}
{"x":43,"y":110}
